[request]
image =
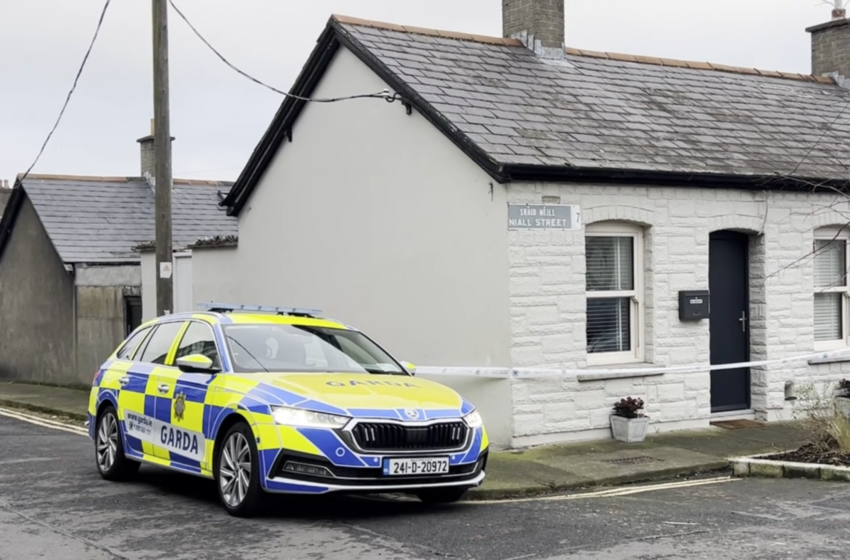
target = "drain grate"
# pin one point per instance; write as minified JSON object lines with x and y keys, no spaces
{"x":633,"y":460}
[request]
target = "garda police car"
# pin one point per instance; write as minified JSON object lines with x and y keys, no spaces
{"x":279,"y":400}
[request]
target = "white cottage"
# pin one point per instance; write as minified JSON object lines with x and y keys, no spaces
{"x":517,"y":203}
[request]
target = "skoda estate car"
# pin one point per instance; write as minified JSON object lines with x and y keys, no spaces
{"x":268,"y":399}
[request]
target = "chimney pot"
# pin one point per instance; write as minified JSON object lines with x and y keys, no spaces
{"x":539,"y":24}
{"x":831,"y":46}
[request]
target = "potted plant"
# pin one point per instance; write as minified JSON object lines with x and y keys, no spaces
{"x":842,"y":398}
{"x":628,"y":423}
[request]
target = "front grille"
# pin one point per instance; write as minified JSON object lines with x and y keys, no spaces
{"x":374,"y":436}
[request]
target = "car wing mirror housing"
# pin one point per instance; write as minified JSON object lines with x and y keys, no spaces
{"x":409,"y":367}
{"x":196,"y":363}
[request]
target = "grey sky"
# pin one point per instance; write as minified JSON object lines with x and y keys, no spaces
{"x":218,"y":116}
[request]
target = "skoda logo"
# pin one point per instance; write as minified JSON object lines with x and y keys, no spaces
{"x":411,"y":413}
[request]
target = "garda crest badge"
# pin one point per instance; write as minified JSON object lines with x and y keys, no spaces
{"x":179,"y":406}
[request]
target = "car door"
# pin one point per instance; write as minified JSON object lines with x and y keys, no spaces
{"x":186,"y":439}
{"x":150,"y":362}
{"x":129,"y":383}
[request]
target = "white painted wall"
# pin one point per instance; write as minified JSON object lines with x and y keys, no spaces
{"x":375,"y":217}
{"x":148,"y":267}
{"x":547,"y":282}
{"x":182,"y":283}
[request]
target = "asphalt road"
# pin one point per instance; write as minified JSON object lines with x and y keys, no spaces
{"x":54,"y":505}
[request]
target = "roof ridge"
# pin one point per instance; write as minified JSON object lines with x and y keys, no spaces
{"x":106,"y":179}
{"x":658,"y":61}
{"x":458,"y":35}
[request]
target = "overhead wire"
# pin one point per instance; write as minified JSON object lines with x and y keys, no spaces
{"x":385,"y":94}
{"x":71,"y":91}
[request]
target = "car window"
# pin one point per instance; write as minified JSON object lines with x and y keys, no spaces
{"x":297,"y":348}
{"x":199,"y":339}
{"x":160,"y":343}
{"x":131,"y":343}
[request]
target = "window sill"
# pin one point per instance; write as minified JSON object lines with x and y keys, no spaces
{"x":637,"y":367}
{"x":835,"y":360}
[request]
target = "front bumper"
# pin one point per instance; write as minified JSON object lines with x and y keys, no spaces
{"x":334,"y":478}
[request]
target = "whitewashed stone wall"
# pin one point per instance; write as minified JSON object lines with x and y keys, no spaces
{"x":547,"y":299}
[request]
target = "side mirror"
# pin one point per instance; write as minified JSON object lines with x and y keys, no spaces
{"x":409,"y":367}
{"x":196,"y":363}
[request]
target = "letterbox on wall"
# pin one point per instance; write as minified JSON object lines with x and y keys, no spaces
{"x":693,"y":305}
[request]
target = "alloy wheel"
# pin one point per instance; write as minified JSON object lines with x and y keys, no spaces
{"x":107,"y":442}
{"x":235,"y":469}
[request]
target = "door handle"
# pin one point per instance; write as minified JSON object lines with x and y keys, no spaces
{"x":743,"y":321}
{"x":163,"y":388}
{"x":124,"y":381}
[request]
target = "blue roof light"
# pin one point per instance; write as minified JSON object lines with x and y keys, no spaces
{"x":230,"y":307}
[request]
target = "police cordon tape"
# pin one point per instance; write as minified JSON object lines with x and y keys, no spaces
{"x":540,"y":373}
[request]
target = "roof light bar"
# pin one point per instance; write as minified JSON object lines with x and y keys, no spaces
{"x":231,"y":307}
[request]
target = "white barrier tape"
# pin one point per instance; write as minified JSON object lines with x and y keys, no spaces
{"x":532,"y":373}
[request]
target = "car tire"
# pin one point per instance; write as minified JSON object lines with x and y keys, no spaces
{"x":239,"y":501}
{"x":441,"y":495}
{"x":112,"y":463}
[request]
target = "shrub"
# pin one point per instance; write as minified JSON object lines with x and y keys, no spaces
{"x":826,"y":428}
{"x":844,"y":388}
{"x":629,"y":407}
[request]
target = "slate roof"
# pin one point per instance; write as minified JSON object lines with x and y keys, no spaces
{"x":101,"y":219}
{"x":590,"y":115}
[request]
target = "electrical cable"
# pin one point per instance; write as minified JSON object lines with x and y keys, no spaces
{"x":71,"y":92}
{"x":385,"y":94}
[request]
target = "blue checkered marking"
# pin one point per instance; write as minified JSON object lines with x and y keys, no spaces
{"x":332,"y":447}
{"x":474,"y":451}
{"x":466,"y":408}
{"x":133,"y":445}
{"x":277,"y":486}
{"x":186,"y":463}
{"x":162,"y":410}
{"x":213,"y":417}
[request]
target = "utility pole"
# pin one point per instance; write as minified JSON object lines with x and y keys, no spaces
{"x":162,"y":153}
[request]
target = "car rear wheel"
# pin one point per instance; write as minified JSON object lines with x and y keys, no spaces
{"x":112,"y":464}
{"x":441,"y":495}
{"x":237,"y":472}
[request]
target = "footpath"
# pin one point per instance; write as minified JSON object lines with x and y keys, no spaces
{"x":541,"y":470}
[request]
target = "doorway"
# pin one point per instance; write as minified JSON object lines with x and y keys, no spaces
{"x":728,"y":284}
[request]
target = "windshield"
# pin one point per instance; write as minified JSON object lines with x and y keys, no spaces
{"x":296,"y":348}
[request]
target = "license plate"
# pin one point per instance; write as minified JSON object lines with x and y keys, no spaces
{"x":416,"y":467}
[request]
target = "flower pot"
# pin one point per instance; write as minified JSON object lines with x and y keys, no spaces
{"x":842,"y":406}
{"x":629,"y":430}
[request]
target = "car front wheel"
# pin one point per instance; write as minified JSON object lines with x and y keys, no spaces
{"x":441,"y":495}
{"x":237,"y":472}
{"x":112,"y":464}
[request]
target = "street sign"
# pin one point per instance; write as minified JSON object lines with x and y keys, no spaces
{"x":544,"y":216}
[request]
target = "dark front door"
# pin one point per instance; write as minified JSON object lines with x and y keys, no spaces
{"x":728,"y":284}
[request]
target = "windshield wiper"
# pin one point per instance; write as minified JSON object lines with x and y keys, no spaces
{"x":249,"y":353}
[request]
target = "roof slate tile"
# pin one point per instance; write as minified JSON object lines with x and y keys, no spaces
{"x":100,"y":221}
{"x":643,"y":113}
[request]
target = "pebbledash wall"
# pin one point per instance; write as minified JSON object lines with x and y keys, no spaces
{"x":548,"y":302}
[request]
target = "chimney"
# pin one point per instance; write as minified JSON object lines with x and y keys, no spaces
{"x":831,"y":44}
{"x":539,"y":24}
{"x":148,"y":159}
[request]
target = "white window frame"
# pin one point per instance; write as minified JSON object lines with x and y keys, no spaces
{"x":637,"y":311}
{"x":834,"y":234}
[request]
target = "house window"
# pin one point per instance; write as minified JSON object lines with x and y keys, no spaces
{"x":831,"y":289}
{"x":614,"y":286}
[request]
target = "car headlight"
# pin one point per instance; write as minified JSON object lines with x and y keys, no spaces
{"x":307,"y":418}
{"x":473,"y":419}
